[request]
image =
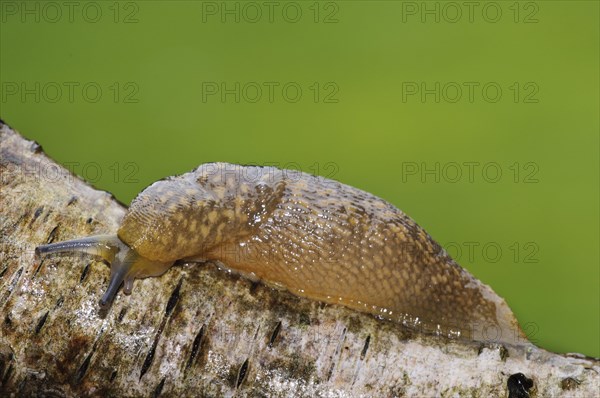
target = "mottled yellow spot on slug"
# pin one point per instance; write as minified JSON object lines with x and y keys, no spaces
{"x":212,"y":216}
{"x":204,"y":230}
{"x":219,"y":232}
{"x":219,"y":191}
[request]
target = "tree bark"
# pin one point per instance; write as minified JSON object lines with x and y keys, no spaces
{"x":198,"y":331}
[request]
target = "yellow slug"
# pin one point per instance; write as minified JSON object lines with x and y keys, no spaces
{"x":313,"y":236}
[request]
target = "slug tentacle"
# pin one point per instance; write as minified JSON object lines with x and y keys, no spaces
{"x":127,"y":266}
{"x":125,"y":263}
{"x":105,"y":246}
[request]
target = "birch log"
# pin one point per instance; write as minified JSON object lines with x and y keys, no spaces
{"x":198,"y":331}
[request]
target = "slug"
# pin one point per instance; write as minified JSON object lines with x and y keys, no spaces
{"x":313,"y":236}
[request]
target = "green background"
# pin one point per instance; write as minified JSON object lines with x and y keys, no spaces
{"x":154,"y":61}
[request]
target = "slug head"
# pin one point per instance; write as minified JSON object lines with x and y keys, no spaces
{"x":125,"y":263}
{"x":188,"y":215}
{"x":170,"y":220}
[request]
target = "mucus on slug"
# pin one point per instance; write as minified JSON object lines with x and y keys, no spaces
{"x":315,"y":237}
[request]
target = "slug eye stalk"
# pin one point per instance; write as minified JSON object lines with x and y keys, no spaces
{"x":125,"y":263}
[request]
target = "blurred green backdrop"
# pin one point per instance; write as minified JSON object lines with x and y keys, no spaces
{"x":480,"y":121}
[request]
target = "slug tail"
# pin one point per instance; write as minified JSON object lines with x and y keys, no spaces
{"x":504,"y":327}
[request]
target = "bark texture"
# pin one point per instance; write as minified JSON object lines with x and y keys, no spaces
{"x":198,"y":331}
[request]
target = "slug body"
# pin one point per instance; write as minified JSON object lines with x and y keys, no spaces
{"x":313,"y":236}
